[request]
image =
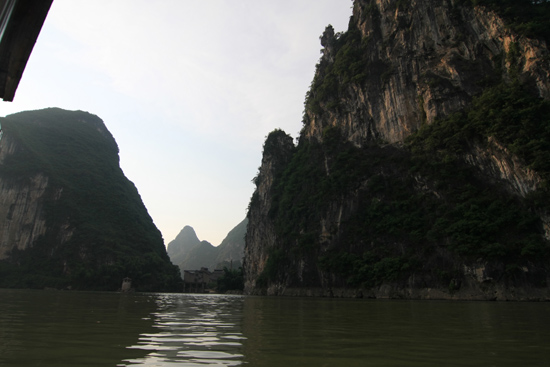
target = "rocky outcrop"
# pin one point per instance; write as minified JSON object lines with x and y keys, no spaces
{"x":371,"y":219}
{"x":22,"y":210}
{"x":496,"y":161}
{"x":21,"y":204}
{"x":261,"y":235}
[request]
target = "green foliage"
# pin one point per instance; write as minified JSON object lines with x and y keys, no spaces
{"x":530,"y":18}
{"x":231,"y":280}
{"x":113,"y":236}
{"x":396,"y":226}
{"x":274,"y":267}
{"x":517,"y":119}
{"x":350,"y":60}
{"x":278,"y":148}
{"x":254,"y":200}
{"x":481,"y":220}
{"x":421,"y":209}
{"x":351,"y":66}
{"x":368,"y":270}
{"x":506,"y":112}
{"x":354,"y":60}
{"x":273,"y":142}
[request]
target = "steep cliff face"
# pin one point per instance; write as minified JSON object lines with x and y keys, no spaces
{"x":420,"y":169}
{"x":68,"y":216}
{"x":261,"y":237}
{"x":406,"y":63}
{"x":21,"y":207}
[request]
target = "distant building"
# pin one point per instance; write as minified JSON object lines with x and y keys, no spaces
{"x":20,"y":25}
{"x":197,"y":281}
{"x":218,"y":273}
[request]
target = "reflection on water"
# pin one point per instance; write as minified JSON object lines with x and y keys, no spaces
{"x":193,"y":330}
{"x":40,"y":328}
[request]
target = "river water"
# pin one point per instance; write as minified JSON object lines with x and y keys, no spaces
{"x":50,"y":328}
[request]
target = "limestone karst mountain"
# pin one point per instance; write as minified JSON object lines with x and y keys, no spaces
{"x":422,"y":165}
{"x":178,"y":249}
{"x":69,"y":218}
{"x":231,"y":250}
{"x":190,"y":253}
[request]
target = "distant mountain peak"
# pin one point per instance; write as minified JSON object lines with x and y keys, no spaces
{"x":190,"y":253}
{"x":185,"y":241}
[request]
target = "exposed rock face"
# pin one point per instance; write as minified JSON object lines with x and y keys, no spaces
{"x":424,"y":59}
{"x":495,"y":161}
{"x":399,"y":67}
{"x":21,"y":206}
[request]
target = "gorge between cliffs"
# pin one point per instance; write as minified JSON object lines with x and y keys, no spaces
{"x":421,"y":171}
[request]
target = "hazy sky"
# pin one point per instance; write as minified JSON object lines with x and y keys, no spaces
{"x":188,"y":88}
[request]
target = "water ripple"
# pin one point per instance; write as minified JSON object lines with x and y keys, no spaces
{"x":193,"y":331}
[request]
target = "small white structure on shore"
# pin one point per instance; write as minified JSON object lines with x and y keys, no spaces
{"x":126,"y":285}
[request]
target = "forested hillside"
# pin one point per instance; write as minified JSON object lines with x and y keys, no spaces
{"x":422,"y":167}
{"x":69,"y":217}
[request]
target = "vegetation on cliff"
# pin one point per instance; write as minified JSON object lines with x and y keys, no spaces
{"x":231,"y":280}
{"x":397,"y":228}
{"x":355,"y":61}
{"x":98,"y":230}
{"x":530,"y":18}
{"x":417,"y":213}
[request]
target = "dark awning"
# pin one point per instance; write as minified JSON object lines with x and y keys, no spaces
{"x":20,"y":25}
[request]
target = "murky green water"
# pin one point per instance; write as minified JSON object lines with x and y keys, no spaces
{"x":48,"y":328}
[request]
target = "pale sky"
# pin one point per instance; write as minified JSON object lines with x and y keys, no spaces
{"x":188,"y":88}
